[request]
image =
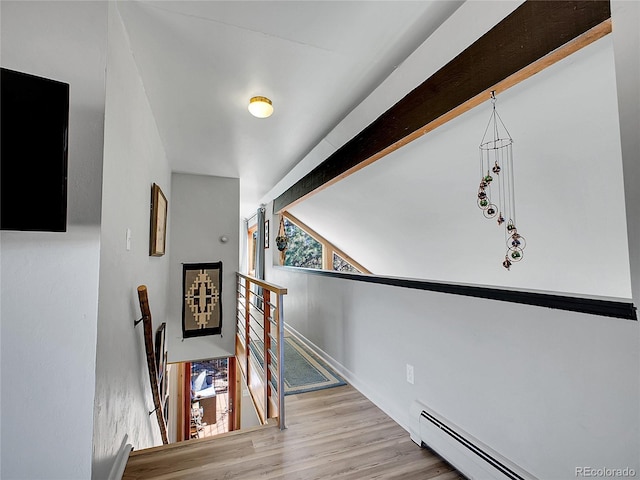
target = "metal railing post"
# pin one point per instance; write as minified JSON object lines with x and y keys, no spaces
{"x":266,"y":342}
{"x":281,"y":422}
{"x":269,"y":292}
{"x":247,"y":322}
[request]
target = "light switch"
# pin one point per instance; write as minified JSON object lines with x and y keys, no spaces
{"x":410,"y":373}
{"x":128,"y":239}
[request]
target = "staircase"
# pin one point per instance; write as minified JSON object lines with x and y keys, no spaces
{"x":333,"y":433}
{"x":190,"y":458}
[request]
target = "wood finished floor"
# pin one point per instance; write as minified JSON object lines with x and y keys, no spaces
{"x":334,"y":433}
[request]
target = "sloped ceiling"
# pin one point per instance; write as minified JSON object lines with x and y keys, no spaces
{"x":201,"y":61}
{"x":413,"y":213}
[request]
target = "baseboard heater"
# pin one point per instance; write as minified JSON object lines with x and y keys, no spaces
{"x":467,"y":454}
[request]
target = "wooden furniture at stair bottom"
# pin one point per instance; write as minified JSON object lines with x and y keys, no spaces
{"x":208,"y":406}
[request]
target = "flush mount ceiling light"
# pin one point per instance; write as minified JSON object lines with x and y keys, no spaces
{"x":260,"y":107}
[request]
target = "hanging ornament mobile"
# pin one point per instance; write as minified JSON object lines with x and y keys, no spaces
{"x":496,"y":170}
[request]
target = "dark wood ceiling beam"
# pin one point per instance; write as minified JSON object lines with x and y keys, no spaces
{"x":533,"y":37}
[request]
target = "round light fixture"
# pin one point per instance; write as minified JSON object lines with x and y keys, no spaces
{"x":260,"y":107}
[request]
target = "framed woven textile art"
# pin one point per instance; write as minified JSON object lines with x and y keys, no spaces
{"x":201,"y":297}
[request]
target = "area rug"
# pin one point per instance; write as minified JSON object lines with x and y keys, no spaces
{"x":304,"y":371}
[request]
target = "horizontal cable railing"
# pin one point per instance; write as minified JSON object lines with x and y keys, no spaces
{"x":260,"y":344}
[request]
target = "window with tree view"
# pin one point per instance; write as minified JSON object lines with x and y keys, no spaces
{"x":303,"y":250}
{"x":342,"y":265}
{"x":306,"y":248}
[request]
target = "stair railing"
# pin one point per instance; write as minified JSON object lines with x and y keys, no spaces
{"x":157,"y":375}
{"x":260,"y":344}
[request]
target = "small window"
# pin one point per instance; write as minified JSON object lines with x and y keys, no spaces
{"x":252,"y":235}
{"x":342,"y":265}
{"x":308,"y":249}
{"x":303,"y":250}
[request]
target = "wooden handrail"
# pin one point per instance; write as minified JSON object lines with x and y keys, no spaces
{"x":261,"y":283}
{"x":152,"y":365}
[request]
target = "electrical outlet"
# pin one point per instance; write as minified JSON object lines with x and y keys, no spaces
{"x":410,"y":374}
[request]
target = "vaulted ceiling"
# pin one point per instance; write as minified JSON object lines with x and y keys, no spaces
{"x":412,"y":213}
{"x":201,"y":61}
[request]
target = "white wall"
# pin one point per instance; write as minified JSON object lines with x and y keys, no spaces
{"x":569,"y":192}
{"x":134,"y":159}
{"x":68,"y":42}
{"x":549,"y":390}
{"x":50,"y":280}
{"x":626,"y":37}
{"x":203,"y":209}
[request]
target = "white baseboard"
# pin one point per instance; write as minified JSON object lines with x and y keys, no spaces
{"x":466,"y":462}
{"x":353,"y":380}
{"x":122,"y":457}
